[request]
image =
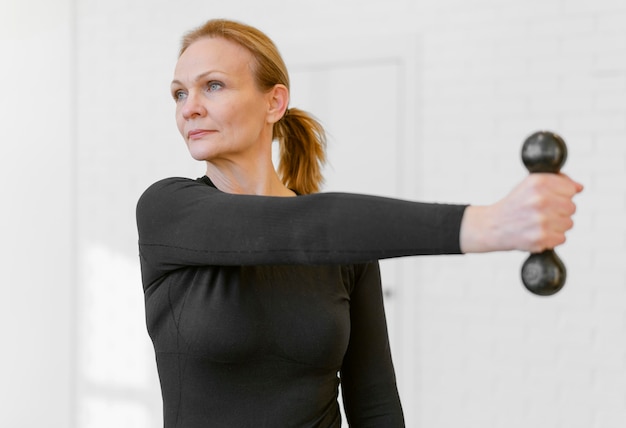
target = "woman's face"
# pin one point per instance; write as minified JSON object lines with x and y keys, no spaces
{"x":220,"y":112}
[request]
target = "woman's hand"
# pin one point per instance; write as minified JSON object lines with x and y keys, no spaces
{"x":533,"y":217}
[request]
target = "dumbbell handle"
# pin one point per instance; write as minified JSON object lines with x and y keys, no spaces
{"x":544,"y":273}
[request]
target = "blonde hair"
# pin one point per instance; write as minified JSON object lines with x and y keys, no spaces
{"x":302,"y":139}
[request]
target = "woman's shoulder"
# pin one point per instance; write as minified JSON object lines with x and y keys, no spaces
{"x":167,"y":190}
{"x":173,"y":184}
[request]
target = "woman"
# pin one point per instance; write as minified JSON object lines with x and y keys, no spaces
{"x":263,"y":295}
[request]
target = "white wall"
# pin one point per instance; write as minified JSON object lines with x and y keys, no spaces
{"x":489,"y":354}
{"x":37,"y":171}
{"x":496,"y":71}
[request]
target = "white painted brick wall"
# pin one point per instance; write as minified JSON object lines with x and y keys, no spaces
{"x":503,"y":70}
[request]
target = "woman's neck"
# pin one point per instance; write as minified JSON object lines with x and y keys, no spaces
{"x":250,"y":179}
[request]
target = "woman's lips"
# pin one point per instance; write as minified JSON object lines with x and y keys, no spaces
{"x":195,"y":134}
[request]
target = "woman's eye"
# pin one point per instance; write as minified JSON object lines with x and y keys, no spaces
{"x":214,"y":86}
{"x":179,"y":95}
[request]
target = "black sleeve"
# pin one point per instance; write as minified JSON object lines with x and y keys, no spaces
{"x":368,"y":381}
{"x":183,"y":222}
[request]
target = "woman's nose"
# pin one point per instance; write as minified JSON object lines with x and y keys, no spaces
{"x":193,"y":107}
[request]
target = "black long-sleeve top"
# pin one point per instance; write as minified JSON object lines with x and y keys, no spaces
{"x":258,"y":307}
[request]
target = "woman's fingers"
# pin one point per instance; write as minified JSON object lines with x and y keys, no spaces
{"x":551,"y":209}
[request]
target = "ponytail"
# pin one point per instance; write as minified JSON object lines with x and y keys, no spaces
{"x":302,"y":145}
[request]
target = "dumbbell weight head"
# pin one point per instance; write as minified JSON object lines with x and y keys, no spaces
{"x":544,"y":273}
{"x":544,"y":152}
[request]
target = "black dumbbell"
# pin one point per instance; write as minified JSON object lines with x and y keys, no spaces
{"x":544,"y":273}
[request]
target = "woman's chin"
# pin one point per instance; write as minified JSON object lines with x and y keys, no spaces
{"x":200,"y":153}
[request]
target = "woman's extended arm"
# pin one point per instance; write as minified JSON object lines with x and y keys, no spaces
{"x":184,"y":222}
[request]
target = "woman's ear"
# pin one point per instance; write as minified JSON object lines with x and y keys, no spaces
{"x":278,"y":102}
